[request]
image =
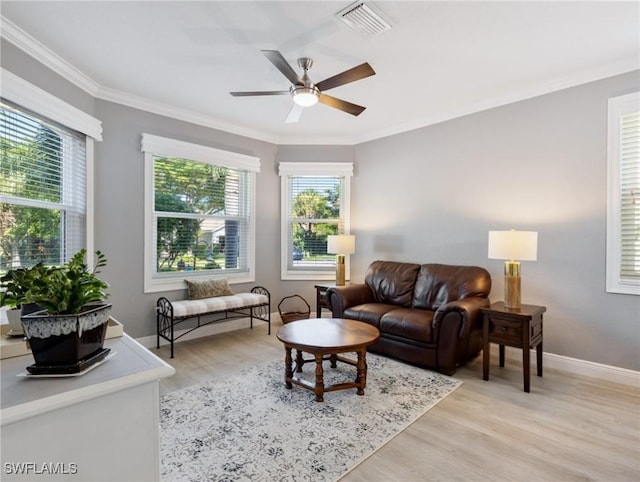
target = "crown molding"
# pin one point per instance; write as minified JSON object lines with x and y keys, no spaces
{"x":186,"y":115}
{"x":25,"y":42}
{"x":41,"y":53}
{"x":179,"y":113}
{"x":32,"y":47}
{"x":299,"y":140}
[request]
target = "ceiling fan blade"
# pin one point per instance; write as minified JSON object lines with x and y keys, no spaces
{"x":294,"y":114}
{"x":343,"y":105}
{"x":264,"y":92}
{"x":282,"y":65}
{"x":360,"y":72}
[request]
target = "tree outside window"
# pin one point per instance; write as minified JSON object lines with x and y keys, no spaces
{"x":315,"y":204}
{"x":41,"y":191}
{"x":197,"y":208}
{"x":199,"y":222}
{"x":315,"y":215}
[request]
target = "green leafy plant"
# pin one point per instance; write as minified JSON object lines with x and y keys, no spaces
{"x":68,"y":289}
{"x":15,"y":285}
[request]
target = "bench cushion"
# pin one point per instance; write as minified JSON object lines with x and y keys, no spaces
{"x":219,"y":303}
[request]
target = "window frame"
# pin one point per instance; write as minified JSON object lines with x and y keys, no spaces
{"x":26,"y":95}
{"x":310,"y":169}
{"x":617,"y":107}
{"x":156,"y":146}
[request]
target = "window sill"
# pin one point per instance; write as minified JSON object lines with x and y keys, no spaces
{"x":174,"y":284}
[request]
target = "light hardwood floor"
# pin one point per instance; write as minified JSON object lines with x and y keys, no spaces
{"x":568,"y":428}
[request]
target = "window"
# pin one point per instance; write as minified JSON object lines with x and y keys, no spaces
{"x":44,"y":167}
{"x":623,"y":207}
{"x":199,"y":222}
{"x":315,"y":202}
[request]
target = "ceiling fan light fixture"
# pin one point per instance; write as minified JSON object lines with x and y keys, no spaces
{"x":305,"y":96}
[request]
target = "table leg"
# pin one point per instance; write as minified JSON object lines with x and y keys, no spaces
{"x":525,"y":368}
{"x":333,"y":359}
{"x":539,"y":358}
{"x":486,"y":350}
{"x":502,"y":356}
{"x":288,"y":369}
{"x":539,"y":348}
{"x":361,"y":372}
{"x":299,"y":361}
{"x":526,"y":356}
{"x":319,"y":387}
{"x":318,"y":305}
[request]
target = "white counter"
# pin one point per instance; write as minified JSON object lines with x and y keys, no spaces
{"x":103,"y":425}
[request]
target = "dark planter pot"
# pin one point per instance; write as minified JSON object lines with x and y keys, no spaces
{"x":29,"y":308}
{"x":66,"y":340}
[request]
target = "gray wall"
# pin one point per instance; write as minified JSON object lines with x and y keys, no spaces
{"x":432,"y":195}
{"x":120,"y":206}
{"x":429,"y":195}
{"x":16,"y":61}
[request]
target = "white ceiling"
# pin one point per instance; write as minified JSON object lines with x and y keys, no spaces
{"x":440,"y":60}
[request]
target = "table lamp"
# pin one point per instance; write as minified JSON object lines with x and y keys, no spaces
{"x":340,"y":245}
{"x":511,"y":246}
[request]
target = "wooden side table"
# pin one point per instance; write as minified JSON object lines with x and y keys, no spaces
{"x":517,"y":327}
{"x":321,"y":299}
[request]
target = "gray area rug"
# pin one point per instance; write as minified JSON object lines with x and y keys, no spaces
{"x":250,"y":427}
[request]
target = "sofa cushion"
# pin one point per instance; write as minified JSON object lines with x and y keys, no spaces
{"x":392,"y":282}
{"x":368,"y":312}
{"x":408,"y":323}
{"x":439,"y":284}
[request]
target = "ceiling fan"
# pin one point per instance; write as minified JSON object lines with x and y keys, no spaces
{"x":305,"y":93}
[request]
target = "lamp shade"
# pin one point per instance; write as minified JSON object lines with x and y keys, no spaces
{"x":513,"y":245}
{"x":341,"y":244}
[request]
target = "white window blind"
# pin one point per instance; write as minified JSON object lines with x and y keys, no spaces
{"x":315,"y":204}
{"x":42,"y":190}
{"x":623,"y":216}
{"x":200,"y":205}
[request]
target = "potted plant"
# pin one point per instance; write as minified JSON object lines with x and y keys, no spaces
{"x":14,"y":286}
{"x":12,"y":312}
{"x":67,"y":335}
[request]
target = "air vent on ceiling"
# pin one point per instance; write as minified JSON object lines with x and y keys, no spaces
{"x":363,"y":19}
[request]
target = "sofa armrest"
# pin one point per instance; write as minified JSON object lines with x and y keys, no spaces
{"x":343,"y":297}
{"x":453,"y":325}
{"x":468,"y":310}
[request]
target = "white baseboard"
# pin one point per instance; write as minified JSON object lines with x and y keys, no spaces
{"x":576,"y":366}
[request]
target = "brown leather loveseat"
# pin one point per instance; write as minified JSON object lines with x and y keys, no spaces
{"x":428,"y":315}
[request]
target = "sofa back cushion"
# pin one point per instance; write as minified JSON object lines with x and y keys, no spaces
{"x":392,"y":282}
{"x":438,"y":284}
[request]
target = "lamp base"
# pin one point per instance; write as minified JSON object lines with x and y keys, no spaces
{"x":512,"y":292}
{"x":340,"y":271}
{"x":512,"y":297}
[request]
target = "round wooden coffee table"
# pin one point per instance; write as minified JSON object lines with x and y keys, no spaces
{"x":325,"y":339}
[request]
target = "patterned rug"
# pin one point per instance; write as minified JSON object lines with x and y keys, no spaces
{"x":250,"y":427}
